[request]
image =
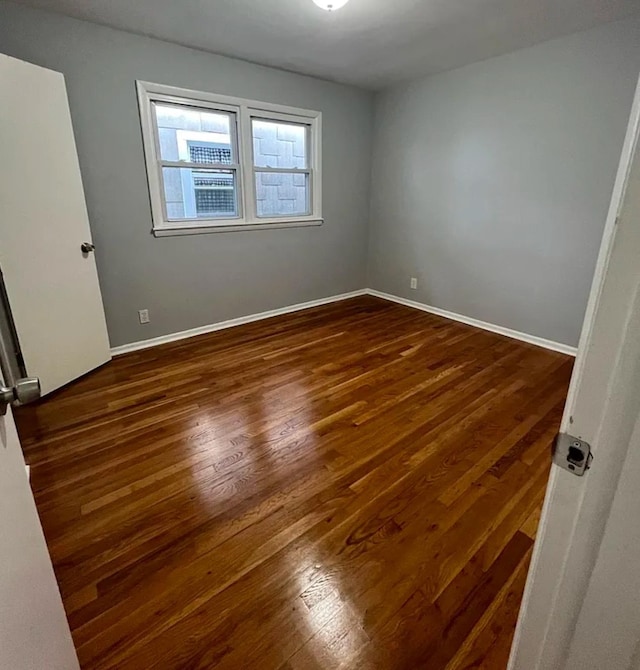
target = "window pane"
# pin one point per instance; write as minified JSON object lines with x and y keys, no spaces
{"x":279,"y":145}
{"x":282,"y":194}
{"x":194,"y":135}
{"x":200,"y":194}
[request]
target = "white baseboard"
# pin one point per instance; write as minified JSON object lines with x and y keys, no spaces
{"x":222,"y":325}
{"x":501,"y":330}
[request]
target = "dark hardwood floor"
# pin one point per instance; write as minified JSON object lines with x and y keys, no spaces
{"x":351,"y":486}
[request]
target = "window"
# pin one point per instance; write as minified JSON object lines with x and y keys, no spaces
{"x":280,"y":168}
{"x":220,"y":163}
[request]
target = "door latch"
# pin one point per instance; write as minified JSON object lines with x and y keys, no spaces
{"x":572,"y":454}
{"x":25,"y":391}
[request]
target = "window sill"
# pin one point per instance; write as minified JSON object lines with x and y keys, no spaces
{"x":200,"y":229}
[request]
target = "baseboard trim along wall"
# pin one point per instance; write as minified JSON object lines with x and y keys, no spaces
{"x":501,"y":330}
{"x":222,"y":325}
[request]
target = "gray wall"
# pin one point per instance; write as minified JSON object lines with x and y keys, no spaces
{"x":491,"y":183}
{"x":195,"y":280}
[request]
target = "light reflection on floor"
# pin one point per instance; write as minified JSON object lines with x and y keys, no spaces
{"x":261,"y":434}
{"x":328,"y":621}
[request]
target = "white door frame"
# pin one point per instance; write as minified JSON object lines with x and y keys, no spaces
{"x":34,"y":633}
{"x":576,"y":509}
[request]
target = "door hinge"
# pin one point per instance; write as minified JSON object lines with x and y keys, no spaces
{"x":572,"y":454}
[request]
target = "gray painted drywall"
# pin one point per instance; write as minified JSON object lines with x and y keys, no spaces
{"x":195,"y":280}
{"x":491,"y":183}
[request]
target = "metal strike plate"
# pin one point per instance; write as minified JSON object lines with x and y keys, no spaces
{"x":572,"y":454}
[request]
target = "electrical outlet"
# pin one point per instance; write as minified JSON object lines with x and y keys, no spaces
{"x":143,"y":315}
{"x":414,"y":282}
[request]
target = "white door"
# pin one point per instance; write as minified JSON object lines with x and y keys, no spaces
{"x":581,"y":609}
{"x":52,"y":285}
{"x":34,"y":633}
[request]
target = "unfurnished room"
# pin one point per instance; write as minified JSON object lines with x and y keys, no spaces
{"x":319,"y":335}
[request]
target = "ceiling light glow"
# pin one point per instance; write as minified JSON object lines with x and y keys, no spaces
{"x":330,"y":5}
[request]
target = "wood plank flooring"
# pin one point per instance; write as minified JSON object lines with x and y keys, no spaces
{"x":352,"y":486}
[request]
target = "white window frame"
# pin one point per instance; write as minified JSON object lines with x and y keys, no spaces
{"x":244,"y":110}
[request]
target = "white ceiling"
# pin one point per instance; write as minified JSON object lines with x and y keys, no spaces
{"x":370,"y":43}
